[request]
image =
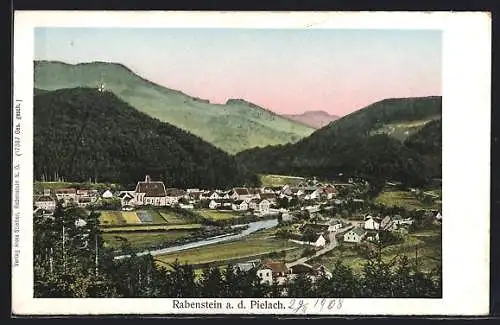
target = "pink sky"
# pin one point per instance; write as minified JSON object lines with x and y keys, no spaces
{"x":286,"y":71}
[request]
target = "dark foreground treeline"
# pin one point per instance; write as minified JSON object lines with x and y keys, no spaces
{"x":70,"y":261}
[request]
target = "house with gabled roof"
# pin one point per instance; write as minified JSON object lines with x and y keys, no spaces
{"x":173,"y":195}
{"x":66,"y":194}
{"x":239,"y":205}
{"x":271,"y":197}
{"x":45,"y":202}
{"x":355,"y":235}
{"x":240,"y":193}
{"x":150,"y":192}
{"x":372,"y":223}
{"x":264,"y":206}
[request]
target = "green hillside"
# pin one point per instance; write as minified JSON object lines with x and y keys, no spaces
{"x":81,"y":133}
{"x":233,"y":127}
{"x":350,"y":145}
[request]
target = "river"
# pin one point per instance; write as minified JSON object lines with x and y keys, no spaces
{"x":252,"y":227}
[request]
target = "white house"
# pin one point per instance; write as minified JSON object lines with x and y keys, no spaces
{"x":320,"y":242}
{"x":212,"y":195}
{"x":150,"y":193}
{"x":214,"y":204}
{"x":354,"y":235}
{"x":371,"y":223}
{"x":265,"y":274}
{"x":45,"y":202}
{"x":239,"y":205}
{"x":66,"y":194}
{"x":439,"y":216}
{"x":107,"y":194}
{"x":126,"y":198}
{"x":334,"y":225}
{"x":264,"y":206}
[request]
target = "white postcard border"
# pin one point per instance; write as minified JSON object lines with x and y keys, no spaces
{"x":466,"y":157}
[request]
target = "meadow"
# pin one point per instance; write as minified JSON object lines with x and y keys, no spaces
{"x":258,"y":245}
{"x":402,"y":199}
{"x":218,"y":214}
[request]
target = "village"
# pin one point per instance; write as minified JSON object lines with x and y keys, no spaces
{"x":314,"y":219}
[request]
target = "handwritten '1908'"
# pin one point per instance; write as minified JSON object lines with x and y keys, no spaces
{"x":299,"y":305}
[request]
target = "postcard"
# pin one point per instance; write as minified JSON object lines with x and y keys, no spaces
{"x":285,"y":163}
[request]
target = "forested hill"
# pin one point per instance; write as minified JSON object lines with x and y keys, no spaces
{"x":351,"y":146}
{"x":234,"y":126}
{"x":82,"y":134}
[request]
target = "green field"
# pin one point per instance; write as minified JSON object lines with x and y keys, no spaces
{"x":151,"y":228}
{"x":218,"y":215}
{"x":429,"y":252}
{"x":279,"y":180}
{"x":129,"y":217}
{"x":142,"y":239}
{"x":171,"y":218}
{"x":402,"y":199}
{"x":39,"y":186}
{"x":259,"y":243}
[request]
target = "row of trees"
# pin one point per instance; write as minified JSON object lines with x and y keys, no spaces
{"x":70,"y":260}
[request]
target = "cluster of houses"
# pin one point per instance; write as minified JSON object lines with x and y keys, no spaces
{"x":269,"y":270}
{"x":371,"y":227}
{"x":81,"y":197}
{"x":154,"y":193}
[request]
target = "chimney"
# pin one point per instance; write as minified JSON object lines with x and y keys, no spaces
{"x":148,"y":179}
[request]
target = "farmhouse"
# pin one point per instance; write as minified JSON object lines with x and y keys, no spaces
{"x":334,"y":225}
{"x":66,"y":194}
{"x":354,"y":235}
{"x":265,"y":274}
{"x":212,"y":195}
{"x":126,"y":198}
{"x":45,"y":202}
{"x":107,"y":194}
{"x":264,"y":206}
{"x":239,"y":205}
{"x":320,"y":242}
{"x":371,"y":223}
{"x":214,"y":204}
{"x":271,"y":197}
{"x":372,"y":236}
{"x":240,"y":193}
{"x":150,"y":193}
{"x":278,"y":269}
{"x":173,"y":195}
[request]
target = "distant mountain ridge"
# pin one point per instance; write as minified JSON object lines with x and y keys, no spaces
{"x":235,"y":126}
{"x":82,"y":134}
{"x":316,"y":119}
